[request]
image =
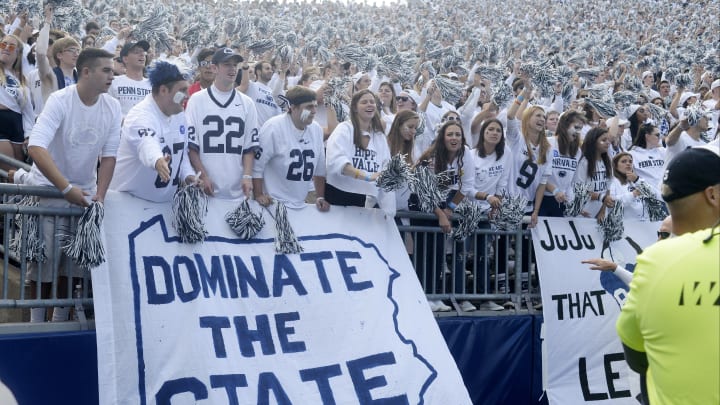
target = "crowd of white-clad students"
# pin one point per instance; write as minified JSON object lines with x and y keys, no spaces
{"x":514,"y":98}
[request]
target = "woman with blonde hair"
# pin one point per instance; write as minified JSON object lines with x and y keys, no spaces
{"x":16,"y":110}
{"x":530,"y":171}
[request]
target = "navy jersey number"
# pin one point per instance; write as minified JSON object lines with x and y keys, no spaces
{"x":528,"y":170}
{"x":235,"y":130}
{"x":301,"y":168}
{"x":177,"y":147}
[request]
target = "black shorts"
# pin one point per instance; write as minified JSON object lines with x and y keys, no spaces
{"x":335,"y":196}
{"x":11,"y":127}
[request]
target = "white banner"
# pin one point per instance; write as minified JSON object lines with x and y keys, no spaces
{"x":585,"y":360}
{"x":230,"y":321}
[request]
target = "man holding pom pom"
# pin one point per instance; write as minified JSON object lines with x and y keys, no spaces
{"x":78,"y":124}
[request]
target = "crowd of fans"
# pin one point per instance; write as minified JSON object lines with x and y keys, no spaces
{"x":562,"y":108}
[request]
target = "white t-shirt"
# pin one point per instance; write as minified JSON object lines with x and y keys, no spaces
{"x":289,"y":158}
{"x":424,"y":137}
{"x":75,"y":135}
{"x":599,"y":183}
{"x":129,"y":92}
{"x":222,"y":127}
{"x":264,"y":100}
{"x":148,"y":135}
{"x":17,"y":98}
{"x":341,"y":150}
{"x":433,"y":114}
{"x":649,"y":164}
{"x":492,"y":175}
{"x":685,"y":141}
{"x":710,"y":106}
{"x":462,"y":178}
{"x":633,"y":207}
{"x":562,"y":169}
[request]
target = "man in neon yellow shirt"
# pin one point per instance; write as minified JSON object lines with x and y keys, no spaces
{"x":670,"y":323}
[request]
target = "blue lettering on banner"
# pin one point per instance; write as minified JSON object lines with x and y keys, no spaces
{"x":189,"y":278}
{"x":268,"y":384}
{"x":180,"y":279}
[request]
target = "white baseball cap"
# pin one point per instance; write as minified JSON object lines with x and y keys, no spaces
{"x":715,"y":85}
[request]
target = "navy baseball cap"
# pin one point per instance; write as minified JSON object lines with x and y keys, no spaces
{"x":224,"y":55}
{"x":145,"y":45}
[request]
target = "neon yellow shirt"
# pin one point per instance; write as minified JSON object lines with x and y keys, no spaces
{"x":673,"y":315}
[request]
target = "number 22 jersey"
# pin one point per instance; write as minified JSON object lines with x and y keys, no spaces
{"x":222,"y":127}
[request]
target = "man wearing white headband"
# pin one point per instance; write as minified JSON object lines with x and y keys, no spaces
{"x":293,"y":155}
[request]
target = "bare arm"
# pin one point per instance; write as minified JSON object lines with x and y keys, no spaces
{"x":674,"y":135}
{"x":320,"y":202}
{"x":198,"y":166}
{"x":538,"y":202}
{"x":244,"y":80}
{"x":675,"y":101}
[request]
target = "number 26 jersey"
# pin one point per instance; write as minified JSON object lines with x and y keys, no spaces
{"x":289,"y":159}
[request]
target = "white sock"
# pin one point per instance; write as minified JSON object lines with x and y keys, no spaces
{"x":37,"y":315}
{"x":60,"y":314}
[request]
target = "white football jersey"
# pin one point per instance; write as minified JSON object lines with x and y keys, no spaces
{"x":148,"y":135}
{"x":222,"y":128}
{"x":289,"y":158}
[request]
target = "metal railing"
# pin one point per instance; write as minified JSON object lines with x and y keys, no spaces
{"x":488,"y":266}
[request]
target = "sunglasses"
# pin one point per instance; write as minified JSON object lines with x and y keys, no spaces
{"x":74,"y":51}
{"x":402,"y":98}
{"x":205,"y":63}
{"x":451,"y":118}
{"x":663,"y":235}
{"x":9,"y":47}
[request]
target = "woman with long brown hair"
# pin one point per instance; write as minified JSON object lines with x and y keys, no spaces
{"x":449,"y":154}
{"x":565,"y":157}
{"x":357,"y":151}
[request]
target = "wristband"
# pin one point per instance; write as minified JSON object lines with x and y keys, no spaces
{"x":367,"y":177}
{"x":357,"y":173}
{"x":452,"y":205}
{"x":319,"y":199}
{"x":67,"y":189}
{"x":554,"y":192}
{"x":247,"y":176}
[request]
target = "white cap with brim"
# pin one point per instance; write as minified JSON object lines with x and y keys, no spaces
{"x":621,"y":122}
{"x":632,"y":108}
{"x":414,"y":96}
{"x":686,"y":96}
